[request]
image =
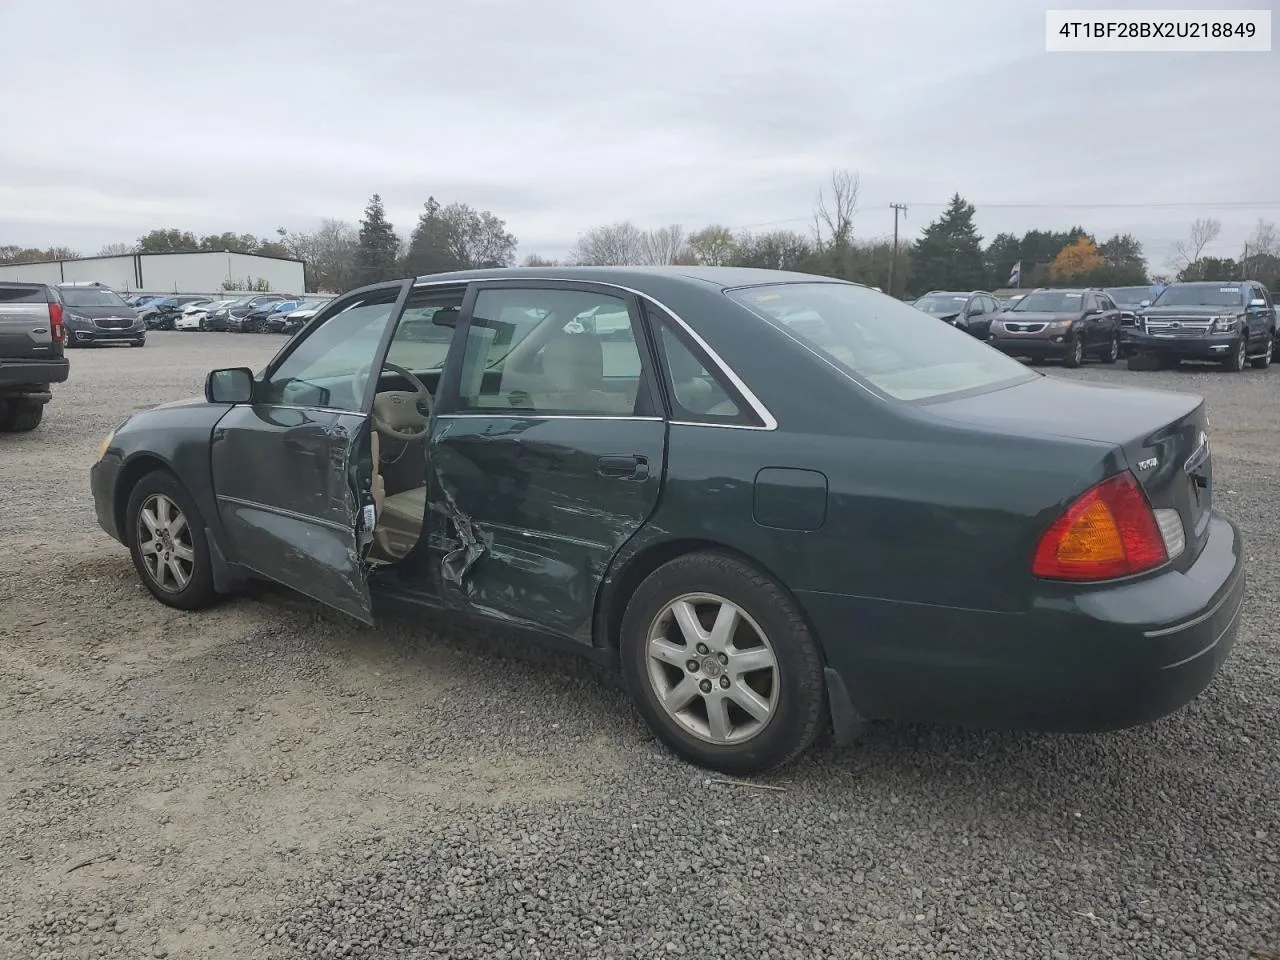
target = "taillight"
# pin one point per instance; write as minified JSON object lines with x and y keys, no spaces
{"x":56,"y":328}
{"x":1110,"y":531}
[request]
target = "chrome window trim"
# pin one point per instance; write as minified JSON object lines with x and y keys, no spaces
{"x":517,"y":414}
{"x":755,"y":403}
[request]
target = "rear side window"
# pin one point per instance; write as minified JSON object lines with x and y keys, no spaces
{"x":23,"y":294}
{"x":881,"y":342}
{"x":697,"y":394}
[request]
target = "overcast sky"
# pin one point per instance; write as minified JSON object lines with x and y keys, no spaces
{"x":560,"y":114}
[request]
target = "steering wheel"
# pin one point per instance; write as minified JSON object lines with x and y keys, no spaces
{"x":399,"y":414}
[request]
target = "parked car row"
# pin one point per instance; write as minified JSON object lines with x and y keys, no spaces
{"x":1232,"y":323}
{"x":262,"y":313}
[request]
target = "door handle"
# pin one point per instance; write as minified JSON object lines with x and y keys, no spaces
{"x":623,"y":468}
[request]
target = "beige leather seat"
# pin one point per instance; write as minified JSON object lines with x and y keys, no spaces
{"x":399,"y":517}
{"x":573,"y":370}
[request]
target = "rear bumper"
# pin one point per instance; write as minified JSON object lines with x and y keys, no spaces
{"x":1184,"y":348}
{"x":1038,"y":347}
{"x":18,"y":373}
{"x":1076,"y":660}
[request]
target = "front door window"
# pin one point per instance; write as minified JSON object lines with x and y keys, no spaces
{"x":326,"y":369}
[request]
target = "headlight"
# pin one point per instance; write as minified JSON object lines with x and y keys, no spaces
{"x":106,"y":442}
{"x":1225,"y":324}
{"x":76,"y":316}
{"x":1060,"y":325}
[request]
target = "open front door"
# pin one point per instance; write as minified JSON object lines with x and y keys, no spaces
{"x":292,"y":470}
{"x":292,"y":487}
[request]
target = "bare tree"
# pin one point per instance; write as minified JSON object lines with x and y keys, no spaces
{"x":1186,"y":252}
{"x":662,"y":246}
{"x":331,"y":254}
{"x":714,"y":246}
{"x":611,"y":245}
{"x":833,"y":216}
{"x":533,"y":260}
{"x":118,"y":250}
{"x":1264,"y":242}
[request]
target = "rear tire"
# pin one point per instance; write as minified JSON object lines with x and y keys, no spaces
{"x":1264,"y":361}
{"x":22,"y":416}
{"x":1075,"y":356}
{"x":184,"y":549}
{"x":1235,"y":362}
{"x":1112,"y":353}
{"x":789,"y":702}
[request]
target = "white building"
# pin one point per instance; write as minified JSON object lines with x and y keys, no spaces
{"x":170,"y":272}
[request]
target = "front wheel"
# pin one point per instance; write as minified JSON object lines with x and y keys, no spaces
{"x":720,"y":662}
{"x":166,"y":536}
{"x":1112,"y":353}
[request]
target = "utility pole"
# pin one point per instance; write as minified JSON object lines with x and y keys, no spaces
{"x":893,"y":261}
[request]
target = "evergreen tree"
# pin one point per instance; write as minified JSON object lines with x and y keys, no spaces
{"x":949,"y":254}
{"x":378,"y":246}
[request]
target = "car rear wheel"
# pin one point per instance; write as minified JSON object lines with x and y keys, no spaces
{"x":1235,"y":362}
{"x":721,"y":664}
{"x":1264,"y":361}
{"x":21,"y":416}
{"x":166,"y":537}
{"x":1075,"y":354}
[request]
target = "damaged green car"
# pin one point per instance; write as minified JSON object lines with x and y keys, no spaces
{"x":780,"y":503}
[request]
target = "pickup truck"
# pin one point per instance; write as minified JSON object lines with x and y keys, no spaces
{"x":32,"y":337}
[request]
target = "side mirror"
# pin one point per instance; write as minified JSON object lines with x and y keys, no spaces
{"x":232,"y":385}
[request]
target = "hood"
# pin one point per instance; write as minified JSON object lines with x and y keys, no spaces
{"x":1052,"y":406}
{"x":1193,"y":311}
{"x":187,"y":402}
{"x":97,"y":312}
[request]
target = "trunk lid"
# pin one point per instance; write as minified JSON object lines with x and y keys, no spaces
{"x":1162,"y":434}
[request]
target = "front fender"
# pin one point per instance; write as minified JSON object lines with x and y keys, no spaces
{"x":175,"y":437}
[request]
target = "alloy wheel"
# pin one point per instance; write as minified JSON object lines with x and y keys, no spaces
{"x":1242,"y":352}
{"x":1114,"y":352}
{"x":164,"y":541}
{"x":712,"y":669}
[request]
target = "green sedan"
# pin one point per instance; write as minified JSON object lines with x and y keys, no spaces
{"x":780,"y":503}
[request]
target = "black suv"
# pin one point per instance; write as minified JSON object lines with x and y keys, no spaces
{"x":1232,"y":323}
{"x":1066,"y":325}
{"x":970,"y":311}
{"x":32,"y":336}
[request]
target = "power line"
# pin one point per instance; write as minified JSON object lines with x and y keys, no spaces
{"x":1192,"y":205}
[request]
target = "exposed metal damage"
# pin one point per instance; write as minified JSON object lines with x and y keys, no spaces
{"x":474,"y":542}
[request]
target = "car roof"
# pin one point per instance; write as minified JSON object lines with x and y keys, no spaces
{"x":639,"y":277}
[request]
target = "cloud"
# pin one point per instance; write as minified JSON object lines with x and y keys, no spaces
{"x":568,"y":113}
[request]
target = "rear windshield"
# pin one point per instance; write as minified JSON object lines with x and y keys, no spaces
{"x":888,"y":345}
{"x":77,"y":297}
{"x":1199,"y":295}
{"x":1050,"y":301}
{"x":942,"y":304}
{"x":1129,"y":294}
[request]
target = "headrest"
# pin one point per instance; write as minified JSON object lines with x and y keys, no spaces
{"x":574,"y":362}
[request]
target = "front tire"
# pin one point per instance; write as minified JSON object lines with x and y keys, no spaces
{"x":719,"y":661}
{"x":166,"y":537}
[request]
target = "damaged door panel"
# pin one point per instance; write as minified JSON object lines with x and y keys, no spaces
{"x":292,"y":486}
{"x":532,"y":511}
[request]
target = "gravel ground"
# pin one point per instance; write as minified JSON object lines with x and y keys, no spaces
{"x":269,"y":780}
